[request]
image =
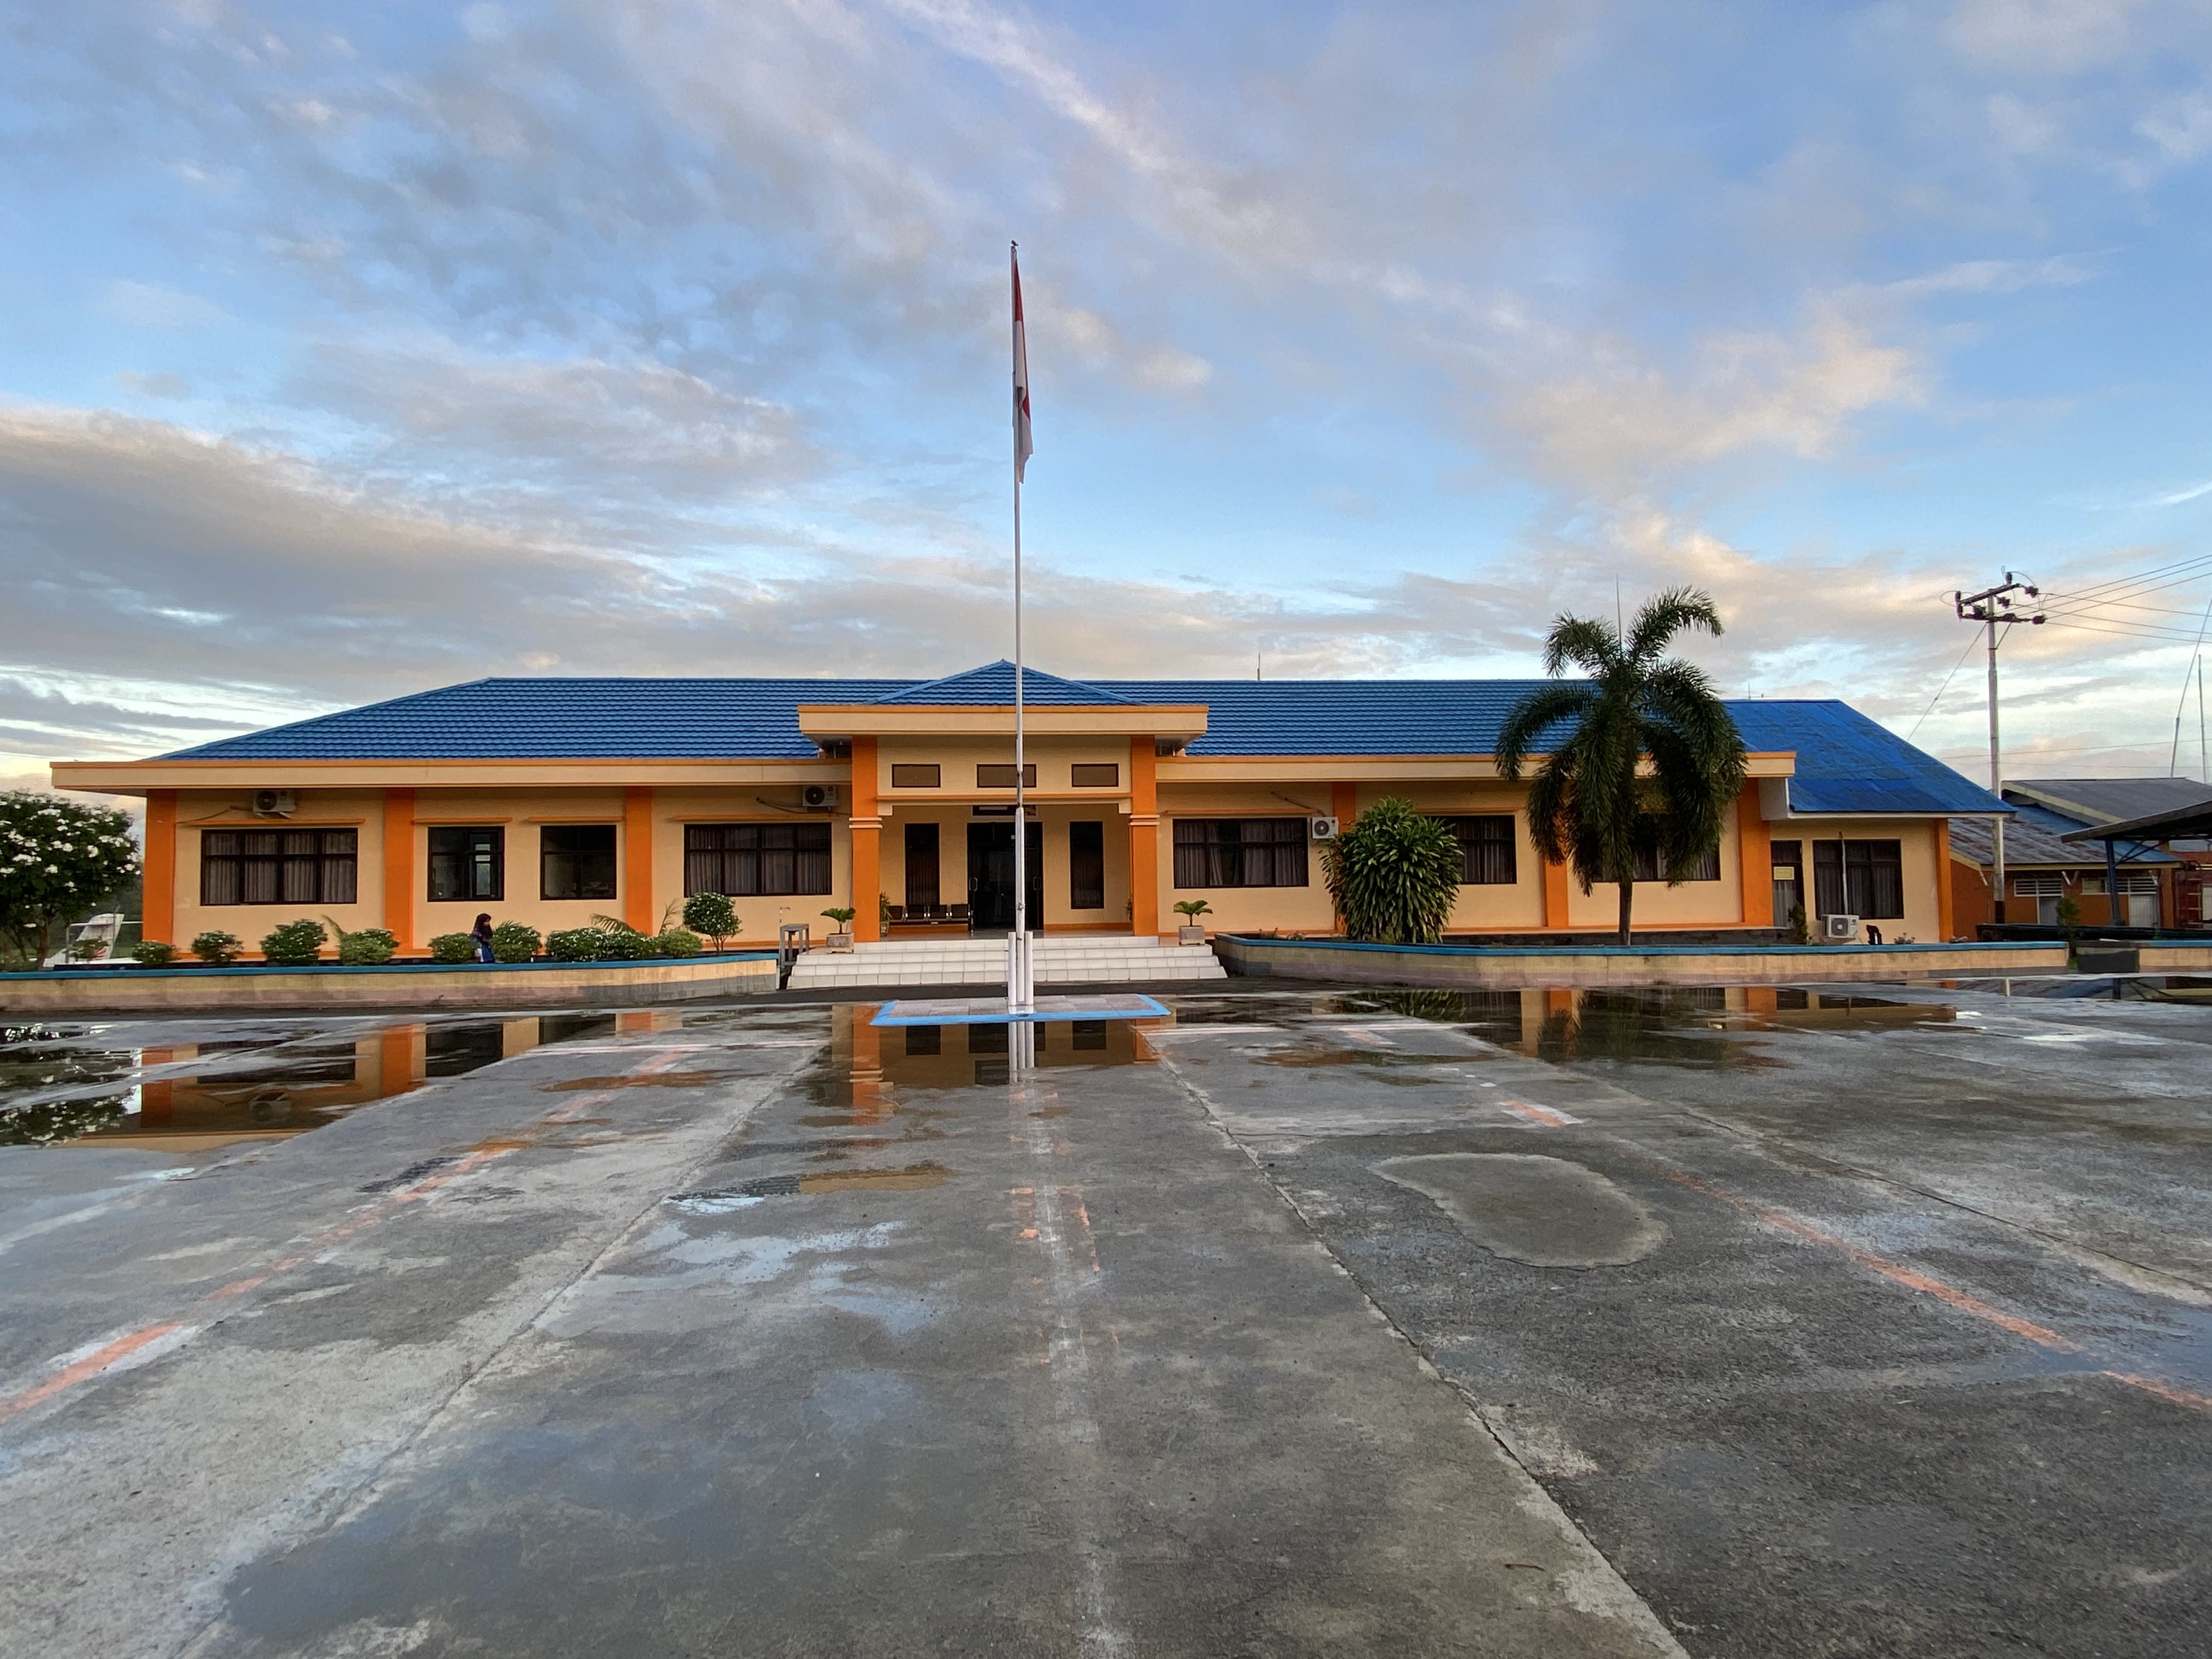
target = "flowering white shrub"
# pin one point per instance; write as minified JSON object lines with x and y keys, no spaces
{"x":58,"y":860}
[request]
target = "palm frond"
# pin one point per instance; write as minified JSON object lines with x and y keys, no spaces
{"x":1532,"y":717}
{"x":1667,"y":614}
{"x":1591,"y":646}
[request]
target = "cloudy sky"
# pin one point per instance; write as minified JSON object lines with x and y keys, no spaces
{"x":348,"y":351}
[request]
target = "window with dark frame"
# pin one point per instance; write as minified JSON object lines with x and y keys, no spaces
{"x":1485,"y":849}
{"x":467,"y":862}
{"x":1240,"y":853}
{"x":1000,"y":775}
{"x":1086,"y":865}
{"x":1859,"y":878}
{"x":279,"y":866}
{"x":576,"y":861}
{"x":1095,"y":775}
{"x":1651,"y":866}
{"x":742,"y":860}
{"x":916,"y":774}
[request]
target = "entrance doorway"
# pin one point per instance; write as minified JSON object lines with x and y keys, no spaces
{"x":991,"y":876}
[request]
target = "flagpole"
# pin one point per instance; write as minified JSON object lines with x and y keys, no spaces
{"x":1020,"y":982}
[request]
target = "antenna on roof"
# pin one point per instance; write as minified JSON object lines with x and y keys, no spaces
{"x":1255,"y":662}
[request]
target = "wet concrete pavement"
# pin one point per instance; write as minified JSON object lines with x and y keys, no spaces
{"x":827,"y":1349}
{"x":1837,"y":1324}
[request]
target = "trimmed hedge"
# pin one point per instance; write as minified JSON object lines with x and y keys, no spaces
{"x":295,"y":944}
{"x":151,"y":953}
{"x":511,"y":941}
{"x":216,"y":949}
{"x":368,"y":947}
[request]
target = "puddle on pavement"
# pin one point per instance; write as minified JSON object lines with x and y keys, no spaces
{"x":58,"y":1087}
{"x":870,"y":1065}
{"x":650,"y":1080}
{"x":913,"y":1177}
{"x":1703,"y":1027}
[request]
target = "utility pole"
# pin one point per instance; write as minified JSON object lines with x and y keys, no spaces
{"x":1992,"y":607}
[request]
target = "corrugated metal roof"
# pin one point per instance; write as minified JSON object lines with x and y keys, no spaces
{"x":1845,"y":762}
{"x":2091,"y":801}
{"x":2032,"y":838}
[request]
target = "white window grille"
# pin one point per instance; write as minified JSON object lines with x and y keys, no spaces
{"x":2038,"y":886}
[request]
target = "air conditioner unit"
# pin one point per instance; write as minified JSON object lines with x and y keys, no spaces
{"x":1324,"y":828}
{"x":273,"y":804}
{"x":1843,"y":930}
{"x":818,"y":797}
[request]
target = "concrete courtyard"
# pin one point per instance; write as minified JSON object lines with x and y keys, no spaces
{"x":1848,"y":1321}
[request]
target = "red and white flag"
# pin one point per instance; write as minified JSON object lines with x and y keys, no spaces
{"x":1023,"y":446}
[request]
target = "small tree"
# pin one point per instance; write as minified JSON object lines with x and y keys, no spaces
{"x":1394,"y":875}
{"x":58,"y":860}
{"x":712,"y":914}
{"x":1644,"y":760}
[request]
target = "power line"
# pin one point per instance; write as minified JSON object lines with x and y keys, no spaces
{"x":1941,"y":690}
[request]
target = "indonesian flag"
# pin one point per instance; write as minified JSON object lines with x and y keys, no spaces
{"x":1023,"y":446}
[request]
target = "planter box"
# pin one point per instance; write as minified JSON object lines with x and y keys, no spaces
{"x":1190,"y":934}
{"x":410,"y":986}
{"x":1341,"y":961}
{"x":842,"y":942}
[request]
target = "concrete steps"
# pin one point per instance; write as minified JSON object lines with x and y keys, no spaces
{"x":1104,"y":959}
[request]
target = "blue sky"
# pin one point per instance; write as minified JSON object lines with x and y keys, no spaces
{"x":348,"y":350}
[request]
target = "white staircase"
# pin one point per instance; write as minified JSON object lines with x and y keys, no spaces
{"x":1073,"y":959}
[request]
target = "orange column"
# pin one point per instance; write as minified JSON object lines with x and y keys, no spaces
{"x":637,"y":861}
{"x":1556,"y":877}
{"x":400,"y":866}
{"x":1144,"y":839}
{"x":1344,"y":804}
{"x":1755,"y":858}
{"x":1944,"y":918}
{"x":158,"y":908}
{"x":867,"y":826}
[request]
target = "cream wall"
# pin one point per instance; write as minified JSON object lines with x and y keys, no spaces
{"x":1655,"y":904}
{"x":758,"y":915}
{"x":959,"y":757}
{"x":1487,"y":906}
{"x":1239,"y":909}
{"x":198,"y":811}
{"x":1915,"y":854}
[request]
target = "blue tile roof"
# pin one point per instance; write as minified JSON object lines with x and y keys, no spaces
{"x":1845,"y":762}
{"x":995,"y":683}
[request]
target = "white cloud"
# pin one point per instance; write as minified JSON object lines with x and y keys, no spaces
{"x":151,"y":306}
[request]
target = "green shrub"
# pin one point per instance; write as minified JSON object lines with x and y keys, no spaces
{"x":295,"y":944}
{"x":675,"y":942}
{"x":712,"y":914}
{"x":622,"y":945}
{"x":1800,"y":928}
{"x":368,"y":947}
{"x":154,"y":954}
{"x":573,"y":945}
{"x":1393,"y":874}
{"x":216,"y":949}
{"x":511,"y":941}
{"x":452,"y":947}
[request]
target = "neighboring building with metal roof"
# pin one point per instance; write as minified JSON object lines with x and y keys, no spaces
{"x":2155,"y":881}
{"x":548,"y":800}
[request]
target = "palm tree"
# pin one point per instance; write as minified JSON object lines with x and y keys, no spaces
{"x":1644,"y":759}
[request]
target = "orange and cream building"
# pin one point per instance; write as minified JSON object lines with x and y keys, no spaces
{"x":550,"y":801}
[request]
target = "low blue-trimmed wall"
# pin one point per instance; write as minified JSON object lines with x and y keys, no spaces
{"x":1343,"y":960}
{"x":70,"y":991}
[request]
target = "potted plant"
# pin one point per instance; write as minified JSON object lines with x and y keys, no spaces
{"x":842,"y":938}
{"x":1191,"y":930}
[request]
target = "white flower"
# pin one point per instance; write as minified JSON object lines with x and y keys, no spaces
{"x":51,"y":871}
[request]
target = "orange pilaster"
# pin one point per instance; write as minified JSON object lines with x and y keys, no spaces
{"x":867,"y":827}
{"x":1144,"y":839}
{"x":637,"y":861}
{"x":158,"y":912}
{"x":400,"y":1059}
{"x":1556,"y":877}
{"x":400,"y":866}
{"x":1944,"y":918}
{"x":1755,"y":860}
{"x":1344,"y":804}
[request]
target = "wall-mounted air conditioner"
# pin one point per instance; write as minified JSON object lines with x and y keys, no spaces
{"x":818,"y":797}
{"x":1840,"y":930}
{"x":273,"y":804}
{"x":1324,"y":828}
